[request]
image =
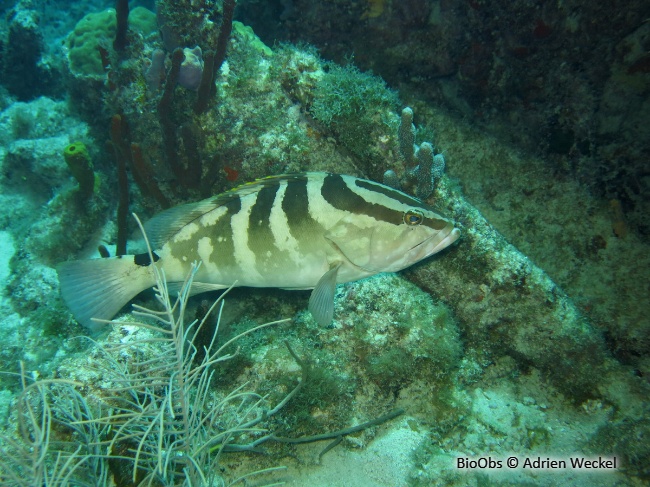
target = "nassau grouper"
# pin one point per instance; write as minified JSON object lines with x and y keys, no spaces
{"x":295,"y":231}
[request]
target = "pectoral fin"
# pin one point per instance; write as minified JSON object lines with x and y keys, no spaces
{"x":321,"y":301}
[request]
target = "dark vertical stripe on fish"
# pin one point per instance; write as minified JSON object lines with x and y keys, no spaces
{"x":260,"y":236}
{"x":295,"y":205}
{"x":224,"y":251}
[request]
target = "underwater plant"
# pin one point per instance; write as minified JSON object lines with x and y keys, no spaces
{"x":157,"y":418}
{"x":350,"y":104}
{"x":166,"y":417}
{"x":33,"y":456}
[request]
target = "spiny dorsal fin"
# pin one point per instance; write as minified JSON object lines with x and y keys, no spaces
{"x":167,"y":223}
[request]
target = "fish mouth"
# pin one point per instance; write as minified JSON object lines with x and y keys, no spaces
{"x":435,"y":243}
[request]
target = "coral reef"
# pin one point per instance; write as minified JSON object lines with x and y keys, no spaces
{"x":26,"y":71}
{"x":571,"y":76}
{"x":351,"y":105}
{"x":96,"y":30}
{"x":45,"y":214}
{"x":488,"y":348}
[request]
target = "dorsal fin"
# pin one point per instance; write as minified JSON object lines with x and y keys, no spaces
{"x":166,"y":224}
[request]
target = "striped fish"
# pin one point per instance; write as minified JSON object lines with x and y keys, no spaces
{"x":296,"y":231}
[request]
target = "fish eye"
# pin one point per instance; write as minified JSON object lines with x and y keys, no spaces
{"x":413,"y":218}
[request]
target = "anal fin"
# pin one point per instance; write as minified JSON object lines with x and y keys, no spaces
{"x":197,"y":287}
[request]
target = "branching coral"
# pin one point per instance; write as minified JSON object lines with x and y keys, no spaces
{"x":424,"y":166}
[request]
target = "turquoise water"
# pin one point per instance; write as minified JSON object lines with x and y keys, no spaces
{"x":509,"y":358}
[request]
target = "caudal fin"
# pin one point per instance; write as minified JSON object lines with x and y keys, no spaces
{"x":99,"y":288}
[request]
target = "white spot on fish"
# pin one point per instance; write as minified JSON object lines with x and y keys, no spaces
{"x":205,"y":249}
{"x":175,"y":269}
{"x":212,"y":217}
{"x":186,"y":233}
